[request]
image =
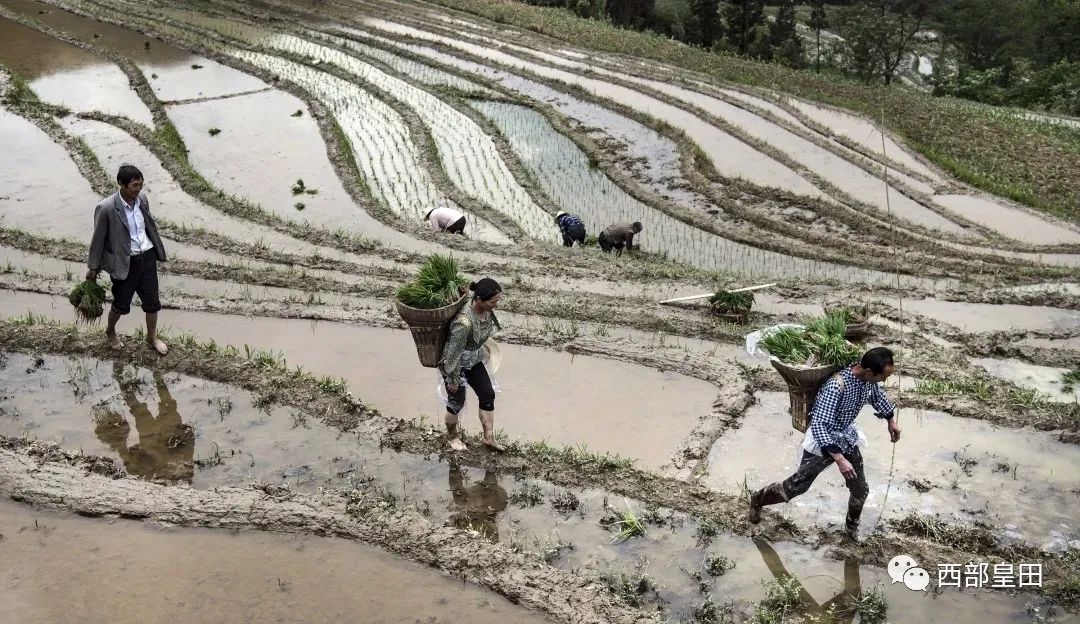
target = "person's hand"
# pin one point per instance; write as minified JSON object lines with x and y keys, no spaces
{"x":894,"y":430}
{"x":451,"y":388}
{"x":846,"y":468}
{"x":92,"y":274}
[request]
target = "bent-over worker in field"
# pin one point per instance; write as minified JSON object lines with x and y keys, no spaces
{"x":619,"y":235}
{"x":571,"y":227}
{"x":446,"y":220}
{"x":126,"y":244}
{"x":833,"y":436}
{"x":462,"y":362}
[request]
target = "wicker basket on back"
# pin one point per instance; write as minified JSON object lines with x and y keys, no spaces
{"x":430,"y":328}
{"x":803,"y":385}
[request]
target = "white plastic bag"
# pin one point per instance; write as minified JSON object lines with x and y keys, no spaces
{"x":440,"y":385}
{"x":754,"y":339}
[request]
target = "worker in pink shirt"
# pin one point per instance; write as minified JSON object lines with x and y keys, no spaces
{"x":446,"y":220}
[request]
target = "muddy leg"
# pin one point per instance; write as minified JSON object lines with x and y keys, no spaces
{"x":487,"y":421}
{"x":453,"y":437}
{"x":151,"y":334}
{"x":798,"y":483}
{"x":859,"y":489}
{"x":110,"y":330}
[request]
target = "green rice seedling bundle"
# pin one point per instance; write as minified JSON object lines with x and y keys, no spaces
{"x":820,"y":342}
{"x":438,"y":284}
{"x":724,"y":301}
{"x":88,"y":298}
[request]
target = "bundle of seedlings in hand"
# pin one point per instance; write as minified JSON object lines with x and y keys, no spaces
{"x":438,"y":284}
{"x":724,"y":301}
{"x":88,"y":297}
{"x":820,"y":342}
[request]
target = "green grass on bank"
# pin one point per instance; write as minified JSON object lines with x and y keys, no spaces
{"x":1035,"y":163}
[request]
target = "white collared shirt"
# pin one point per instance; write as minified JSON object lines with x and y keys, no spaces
{"x":136,"y":227}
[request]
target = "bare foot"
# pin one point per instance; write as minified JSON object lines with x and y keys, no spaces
{"x":158,"y":346}
{"x":457,"y":445}
{"x":494,"y":446}
{"x":114,"y":341}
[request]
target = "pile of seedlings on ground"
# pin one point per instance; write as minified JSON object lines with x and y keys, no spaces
{"x":732,"y":305}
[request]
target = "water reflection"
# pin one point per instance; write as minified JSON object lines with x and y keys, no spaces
{"x":476,"y":507}
{"x":166,"y":445}
{"x":841,"y":608}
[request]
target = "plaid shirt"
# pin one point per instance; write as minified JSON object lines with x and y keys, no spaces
{"x":832,"y":419}
{"x":568,"y":222}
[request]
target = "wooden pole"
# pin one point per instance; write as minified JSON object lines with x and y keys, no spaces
{"x":706,"y":295}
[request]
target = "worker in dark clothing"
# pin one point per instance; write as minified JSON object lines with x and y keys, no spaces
{"x":618,"y":236}
{"x":572,"y":229}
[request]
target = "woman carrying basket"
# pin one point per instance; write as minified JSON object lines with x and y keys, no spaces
{"x":462,"y":362}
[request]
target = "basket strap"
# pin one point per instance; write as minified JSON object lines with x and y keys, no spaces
{"x":839,"y":382}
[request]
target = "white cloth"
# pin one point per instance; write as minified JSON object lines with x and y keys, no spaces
{"x":810,"y":445}
{"x":136,"y":227}
{"x":442,"y":218}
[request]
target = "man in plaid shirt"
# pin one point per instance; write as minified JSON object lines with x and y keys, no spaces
{"x":833,"y":436}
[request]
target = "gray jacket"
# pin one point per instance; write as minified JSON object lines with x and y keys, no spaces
{"x":110,"y":246}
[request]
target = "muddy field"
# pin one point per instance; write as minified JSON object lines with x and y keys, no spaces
{"x":286,"y":460}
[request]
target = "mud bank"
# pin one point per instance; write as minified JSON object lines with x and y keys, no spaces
{"x":63,"y":568}
{"x":62,"y":483}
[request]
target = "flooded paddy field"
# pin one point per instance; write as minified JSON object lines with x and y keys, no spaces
{"x":59,"y":567}
{"x":287,"y":460}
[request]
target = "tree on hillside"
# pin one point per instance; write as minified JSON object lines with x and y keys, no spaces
{"x":784,"y":42}
{"x":818,"y":21}
{"x":878,"y":35}
{"x":746,"y":31}
{"x":706,"y":22}
{"x":630,"y":13}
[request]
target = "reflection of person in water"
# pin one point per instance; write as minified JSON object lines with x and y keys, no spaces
{"x":841,"y":607}
{"x":166,"y":445}
{"x":477,"y":507}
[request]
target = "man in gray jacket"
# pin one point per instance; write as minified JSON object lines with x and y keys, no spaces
{"x":127,"y":246}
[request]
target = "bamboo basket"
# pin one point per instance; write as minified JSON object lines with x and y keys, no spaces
{"x":856,"y":331}
{"x":430,"y":328}
{"x":803,"y":385}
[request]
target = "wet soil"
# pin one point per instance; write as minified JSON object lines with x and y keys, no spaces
{"x":731,"y":157}
{"x":593,"y":405}
{"x":283,"y":148}
{"x":169,"y":69}
{"x":63,"y":568}
{"x":985,"y":317}
{"x":64,"y":75}
{"x":1011,"y":222}
{"x":1045,"y":379}
{"x":956,"y":468}
{"x":863,"y":133}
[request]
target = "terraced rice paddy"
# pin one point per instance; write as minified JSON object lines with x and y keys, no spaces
{"x":287,"y":458}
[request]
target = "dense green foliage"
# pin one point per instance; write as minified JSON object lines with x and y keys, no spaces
{"x":1016,"y":52}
